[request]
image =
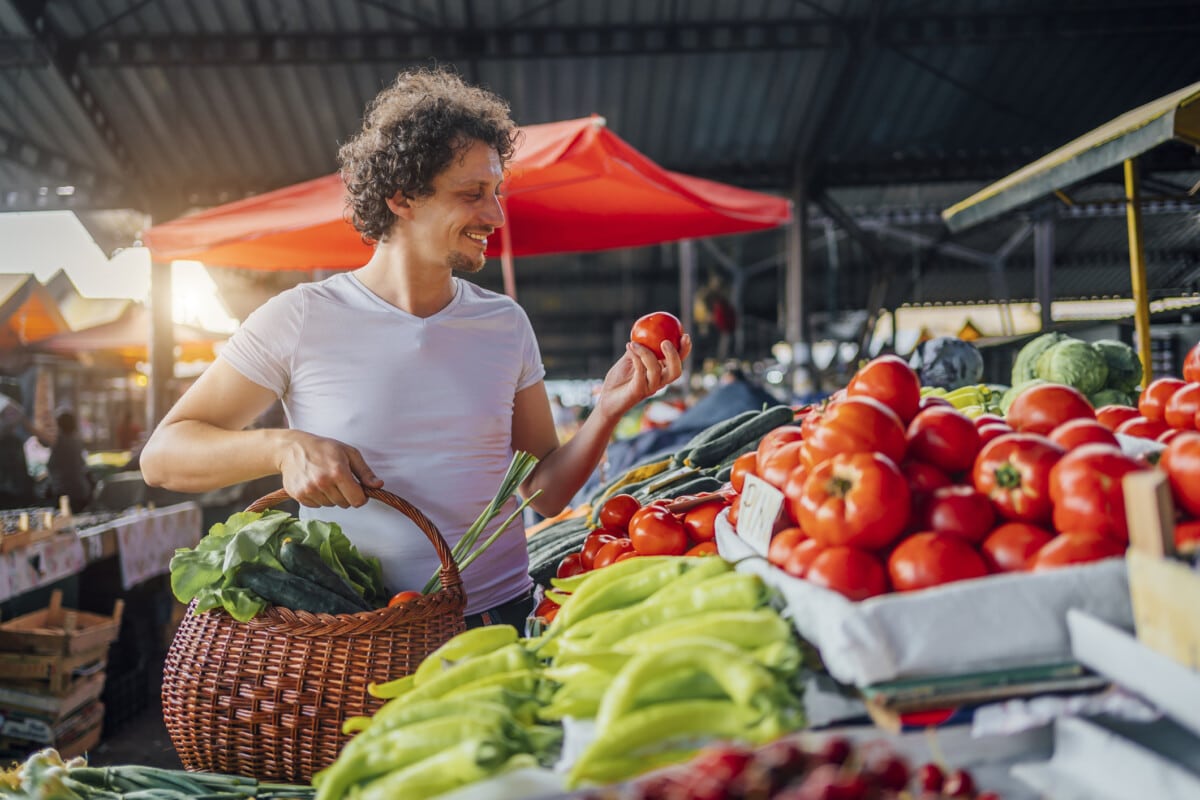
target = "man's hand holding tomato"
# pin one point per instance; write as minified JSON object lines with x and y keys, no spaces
{"x":640,"y":373}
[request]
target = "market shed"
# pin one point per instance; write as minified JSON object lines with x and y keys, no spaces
{"x":1120,"y":142}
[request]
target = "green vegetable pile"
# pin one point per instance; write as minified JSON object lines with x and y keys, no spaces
{"x":45,"y":776}
{"x":256,"y":558}
{"x":1107,"y":371}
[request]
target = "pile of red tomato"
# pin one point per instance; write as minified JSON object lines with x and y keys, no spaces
{"x":886,"y":490}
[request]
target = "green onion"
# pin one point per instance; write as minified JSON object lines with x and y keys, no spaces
{"x":463,"y":552}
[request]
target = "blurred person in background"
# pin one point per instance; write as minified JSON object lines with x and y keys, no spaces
{"x":67,"y":464}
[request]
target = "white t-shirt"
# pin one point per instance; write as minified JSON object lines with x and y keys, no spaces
{"x":428,"y":402}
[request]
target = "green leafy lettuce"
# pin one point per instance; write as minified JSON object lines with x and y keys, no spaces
{"x":208,"y":572}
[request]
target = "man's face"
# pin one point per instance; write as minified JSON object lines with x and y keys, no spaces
{"x":452,"y":225}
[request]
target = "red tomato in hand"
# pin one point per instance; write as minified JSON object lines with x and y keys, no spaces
{"x":1012,"y":546}
{"x":855,"y":425}
{"x":655,"y":531}
{"x":890,"y":381}
{"x":1085,"y":487}
{"x":1181,"y":460}
{"x":743,"y":465}
{"x":854,"y":573}
{"x":1181,"y":409}
{"x":1078,"y":432}
{"x":1152,"y":403}
{"x":700,"y":522}
{"x":572,"y":564}
{"x":1142,"y":427}
{"x":945,"y":438}
{"x":1042,"y":408}
{"x":855,"y":499}
{"x":1076,"y":547}
{"x":782,"y":545}
{"x":960,"y":511}
{"x":1191,"y":364}
{"x":1112,"y":416}
{"x":654,"y":329}
{"x":1014,"y":471}
{"x":931,"y":559}
{"x":592,"y":544}
{"x":610,"y":552}
{"x":801,"y":557}
{"x":618,"y":510}
{"x":546,"y":610}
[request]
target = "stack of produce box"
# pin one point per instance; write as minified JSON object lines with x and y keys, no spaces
{"x":53,"y":663}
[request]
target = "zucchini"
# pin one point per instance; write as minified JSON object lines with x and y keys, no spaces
{"x":714,"y":452}
{"x":305,"y":562}
{"x":713,"y":431}
{"x":291,"y":591}
{"x":695,"y":486}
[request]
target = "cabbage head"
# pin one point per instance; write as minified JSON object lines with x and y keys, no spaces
{"x":947,"y":362}
{"x":1026,"y":360}
{"x":1074,"y":363}
{"x":1111,"y":397}
{"x":1124,"y":367}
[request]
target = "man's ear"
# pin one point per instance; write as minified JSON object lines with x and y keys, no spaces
{"x":400,"y":205}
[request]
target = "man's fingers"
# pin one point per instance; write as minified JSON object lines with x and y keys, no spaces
{"x":366,"y":476}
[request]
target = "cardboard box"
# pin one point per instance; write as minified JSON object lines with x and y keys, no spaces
{"x":999,"y":622}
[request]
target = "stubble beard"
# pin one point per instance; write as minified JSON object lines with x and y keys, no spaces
{"x":462,"y":263}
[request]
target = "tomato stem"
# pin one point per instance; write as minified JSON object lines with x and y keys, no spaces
{"x":1008,"y":476}
{"x":839,"y":487}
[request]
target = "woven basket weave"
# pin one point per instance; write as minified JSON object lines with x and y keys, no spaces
{"x":267,"y":698}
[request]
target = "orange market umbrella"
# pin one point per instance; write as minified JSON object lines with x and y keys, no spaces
{"x":574,"y":186}
{"x":127,"y":338}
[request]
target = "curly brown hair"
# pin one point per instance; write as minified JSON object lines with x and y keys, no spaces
{"x":411,"y":132}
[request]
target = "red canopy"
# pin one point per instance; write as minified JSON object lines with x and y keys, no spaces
{"x":573,"y":186}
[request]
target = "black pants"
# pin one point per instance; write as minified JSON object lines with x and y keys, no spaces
{"x":514,"y":613}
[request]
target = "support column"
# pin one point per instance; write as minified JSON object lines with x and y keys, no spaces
{"x":1043,"y":267}
{"x":796,"y":330}
{"x":162,"y":345}
{"x":1137,"y":269}
{"x":687,"y":296}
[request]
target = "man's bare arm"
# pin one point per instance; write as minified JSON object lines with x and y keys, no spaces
{"x":202,"y":444}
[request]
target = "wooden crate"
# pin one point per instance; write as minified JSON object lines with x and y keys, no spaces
{"x":51,"y":673}
{"x":60,"y":631}
{"x":1165,"y":592}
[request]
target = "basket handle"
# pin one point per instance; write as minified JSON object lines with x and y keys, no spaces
{"x":449,"y":571}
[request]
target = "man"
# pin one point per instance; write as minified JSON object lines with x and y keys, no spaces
{"x":398,"y":374}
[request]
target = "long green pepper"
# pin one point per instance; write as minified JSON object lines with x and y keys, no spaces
{"x":741,"y":678}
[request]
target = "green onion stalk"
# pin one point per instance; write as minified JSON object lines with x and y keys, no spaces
{"x":464,"y":551}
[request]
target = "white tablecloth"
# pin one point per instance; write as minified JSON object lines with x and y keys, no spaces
{"x":148,"y":539}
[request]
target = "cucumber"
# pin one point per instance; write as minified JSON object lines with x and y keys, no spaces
{"x":291,"y":591}
{"x":695,"y":486}
{"x":713,"y":431}
{"x":714,"y":452}
{"x":305,"y":562}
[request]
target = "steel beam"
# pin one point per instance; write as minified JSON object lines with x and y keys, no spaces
{"x":558,"y":41}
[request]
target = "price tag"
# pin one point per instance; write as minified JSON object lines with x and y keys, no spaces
{"x":759,"y":508}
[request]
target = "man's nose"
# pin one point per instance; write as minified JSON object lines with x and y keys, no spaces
{"x":493,"y":213}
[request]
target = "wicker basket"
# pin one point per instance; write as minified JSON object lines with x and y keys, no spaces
{"x":266,"y":698}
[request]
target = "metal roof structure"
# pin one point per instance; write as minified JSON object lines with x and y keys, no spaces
{"x":887,"y":110}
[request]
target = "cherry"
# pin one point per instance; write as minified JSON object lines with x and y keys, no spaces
{"x":959,"y":784}
{"x":835,"y":750}
{"x":890,"y":773}
{"x":930,"y":778}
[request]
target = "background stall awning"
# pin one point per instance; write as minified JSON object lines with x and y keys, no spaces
{"x":127,"y":339}
{"x":573,"y":186}
{"x":1174,"y":116}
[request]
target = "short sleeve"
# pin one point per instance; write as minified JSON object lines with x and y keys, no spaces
{"x":532,"y":369}
{"x":262,"y":348}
